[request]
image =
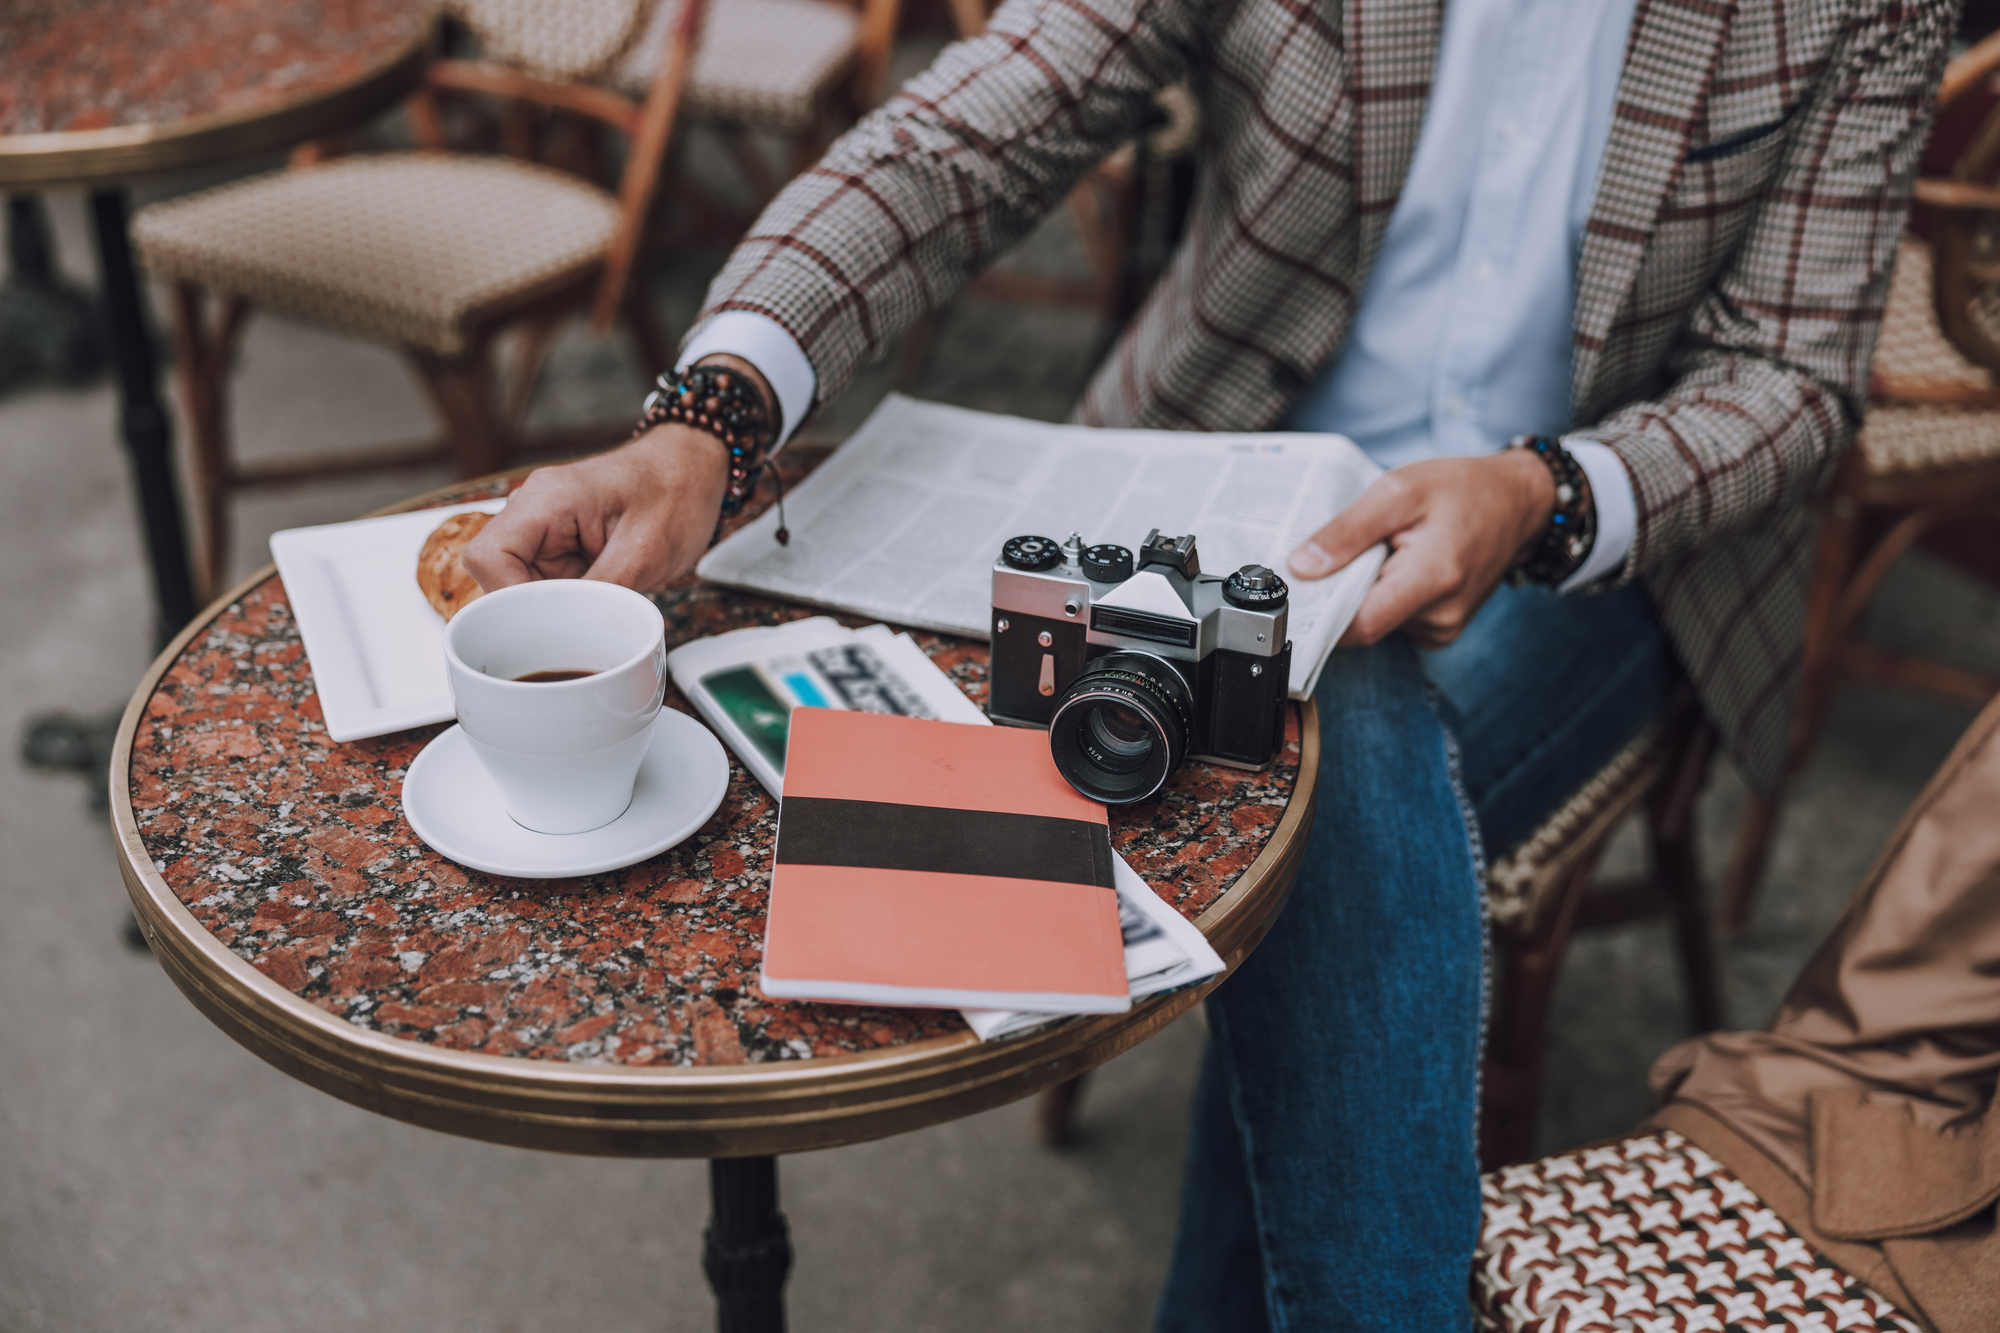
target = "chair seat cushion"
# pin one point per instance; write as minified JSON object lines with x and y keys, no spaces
{"x":1652,"y":1235}
{"x":407,"y":247}
{"x":766,"y":62}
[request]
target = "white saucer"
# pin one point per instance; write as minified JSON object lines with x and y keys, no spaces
{"x":455,"y":807}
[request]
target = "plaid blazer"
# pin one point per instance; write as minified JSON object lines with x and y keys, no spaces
{"x":1730,"y":284}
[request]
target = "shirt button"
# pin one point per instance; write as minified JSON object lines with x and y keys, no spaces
{"x":1454,"y":406}
{"x":1483,"y":272}
{"x":1510,"y":130}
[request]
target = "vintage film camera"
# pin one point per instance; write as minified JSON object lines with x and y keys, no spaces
{"x":1133,"y":667}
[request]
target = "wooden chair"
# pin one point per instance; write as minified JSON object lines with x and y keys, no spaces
{"x":1925,"y":467}
{"x":437,"y":252}
{"x":1151,"y":175}
{"x":803,"y":70}
{"x":1542,"y":891}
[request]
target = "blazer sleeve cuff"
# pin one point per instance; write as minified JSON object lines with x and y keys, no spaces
{"x":1617,"y":513}
{"x":764,"y":343}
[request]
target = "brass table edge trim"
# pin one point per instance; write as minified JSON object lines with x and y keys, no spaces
{"x":575,"y":1107}
{"x":90,"y":158}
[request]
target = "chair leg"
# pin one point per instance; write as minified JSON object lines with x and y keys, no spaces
{"x":1516,"y":1040}
{"x":461,"y":391}
{"x":1833,"y":564}
{"x":537,"y":337}
{"x":1679,"y":875}
{"x":656,"y":347}
{"x":1055,"y":1112}
{"x":1747,"y":857}
{"x":202,"y":355}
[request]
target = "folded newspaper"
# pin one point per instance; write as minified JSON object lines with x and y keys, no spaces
{"x":746,"y":683}
{"x":905,"y":519}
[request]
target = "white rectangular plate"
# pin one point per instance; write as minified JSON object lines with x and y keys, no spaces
{"x":376,"y":647}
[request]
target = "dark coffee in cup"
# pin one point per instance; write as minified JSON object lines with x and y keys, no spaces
{"x":546,"y":677}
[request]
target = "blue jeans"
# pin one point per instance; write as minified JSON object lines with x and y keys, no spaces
{"x":1331,"y":1178}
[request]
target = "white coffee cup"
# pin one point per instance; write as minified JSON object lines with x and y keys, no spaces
{"x":564,"y":753}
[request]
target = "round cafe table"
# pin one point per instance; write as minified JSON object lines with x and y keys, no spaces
{"x":98,"y":93}
{"x":618,"y":1014}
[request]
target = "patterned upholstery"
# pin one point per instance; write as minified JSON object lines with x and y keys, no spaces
{"x":1520,"y":884}
{"x":406,"y":247}
{"x":764,"y":61}
{"x":1652,"y":1235}
{"x":1912,"y":437}
{"x":562,"y":40}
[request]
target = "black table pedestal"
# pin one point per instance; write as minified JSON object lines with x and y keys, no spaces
{"x":147,"y":428}
{"x":747,"y":1250}
{"x":49,"y":329}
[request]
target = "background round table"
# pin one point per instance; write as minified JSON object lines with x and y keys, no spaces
{"x":617,"y":1014}
{"x":98,"y":93}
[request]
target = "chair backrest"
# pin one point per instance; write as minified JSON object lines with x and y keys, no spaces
{"x":1959,"y":206}
{"x":542,"y":52}
{"x":565,"y":41}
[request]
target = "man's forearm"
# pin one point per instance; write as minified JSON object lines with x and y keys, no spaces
{"x":958,"y":166}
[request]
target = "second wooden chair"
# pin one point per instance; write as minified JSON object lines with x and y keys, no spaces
{"x":437,"y":253}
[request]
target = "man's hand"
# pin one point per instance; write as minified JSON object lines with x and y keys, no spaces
{"x":1454,"y":527}
{"x":640,"y":515}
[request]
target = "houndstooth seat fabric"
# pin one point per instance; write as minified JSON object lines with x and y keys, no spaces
{"x":1911,"y":437}
{"x":406,"y":247}
{"x":1652,"y":1235}
{"x":768,"y":62}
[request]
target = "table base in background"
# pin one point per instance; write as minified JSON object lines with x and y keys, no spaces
{"x":144,"y":423}
{"x":747,"y":1248}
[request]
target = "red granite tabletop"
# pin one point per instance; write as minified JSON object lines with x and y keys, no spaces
{"x":292,"y":851}
{"x":109,"y":74}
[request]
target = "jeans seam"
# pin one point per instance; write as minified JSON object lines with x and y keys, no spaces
{"x":1274,"y":1317}
{"x":1476,"y":847}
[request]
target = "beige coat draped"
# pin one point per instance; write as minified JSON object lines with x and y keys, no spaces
{"x":1865,"y":1114}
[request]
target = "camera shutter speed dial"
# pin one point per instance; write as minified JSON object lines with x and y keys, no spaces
{"x":1255,"y":588}
{"x":1106,"y":564}
{"x":1030,"y":554}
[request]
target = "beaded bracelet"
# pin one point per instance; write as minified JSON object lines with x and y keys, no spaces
{"x":1565,"y":544}
{"x":723,"y":403}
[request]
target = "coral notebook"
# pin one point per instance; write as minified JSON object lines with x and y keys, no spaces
{"x":934,"y":863}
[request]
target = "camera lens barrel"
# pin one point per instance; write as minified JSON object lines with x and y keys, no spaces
{"x":1121,"y":728}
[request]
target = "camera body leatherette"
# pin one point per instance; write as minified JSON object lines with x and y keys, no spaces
{"x":1049,"y":624}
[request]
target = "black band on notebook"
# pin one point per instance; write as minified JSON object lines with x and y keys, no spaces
{"x":882,"y":835}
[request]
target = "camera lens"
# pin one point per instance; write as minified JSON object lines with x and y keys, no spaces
{"x":1120,"y":729}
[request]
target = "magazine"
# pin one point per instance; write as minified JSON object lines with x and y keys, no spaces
{"x":746,"y":683}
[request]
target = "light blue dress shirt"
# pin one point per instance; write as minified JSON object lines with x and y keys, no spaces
{"x":1462,"y":338}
